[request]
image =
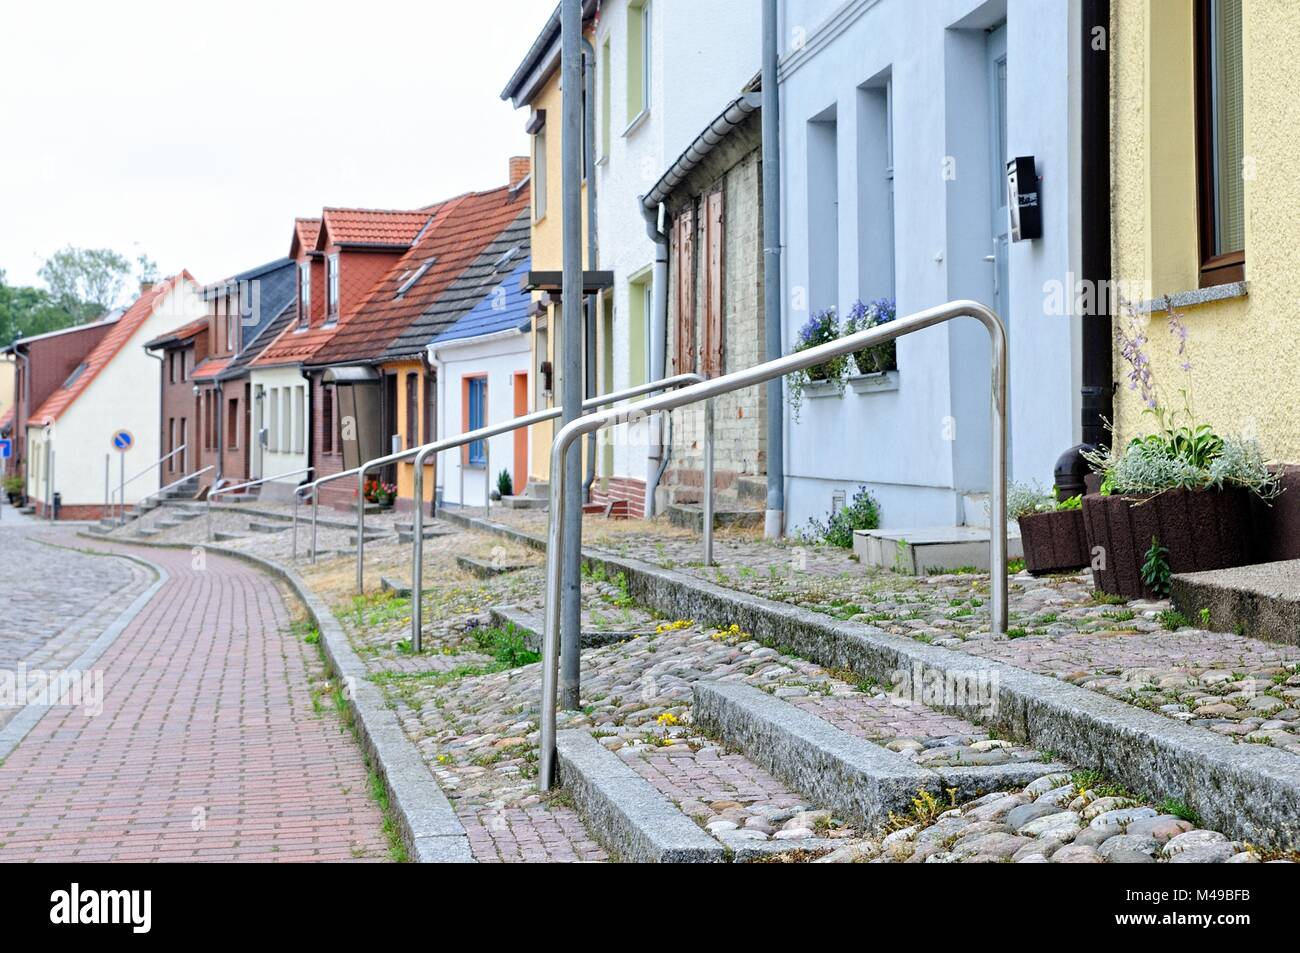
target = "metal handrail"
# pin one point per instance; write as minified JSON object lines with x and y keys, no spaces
{"x":120,"y":493}
{"x":758,"y":374}
{"x":227,"y":490}
{"x":417,"y":523}
{"x":189,"y":476}
{"x":539,"y":416}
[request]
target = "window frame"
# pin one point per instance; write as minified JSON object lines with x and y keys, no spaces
{"x":1214,"y":268}
{"x":304,"y":295}
{"x":642,"y":55}
{"x":476,"y":451}
{"x":332,"y":288}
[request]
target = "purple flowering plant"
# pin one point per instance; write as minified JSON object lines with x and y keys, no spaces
{"x":864,"y":315}
{"x":822,"y":328}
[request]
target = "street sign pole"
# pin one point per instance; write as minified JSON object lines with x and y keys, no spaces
{"x":121,"y":489}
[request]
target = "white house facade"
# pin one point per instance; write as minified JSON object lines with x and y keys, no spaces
{"x":644,"y":120}
{"x":898,"y":119}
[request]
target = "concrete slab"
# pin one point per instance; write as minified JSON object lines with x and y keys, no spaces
{"x":1261,"y":601}
{"x":922,"y":550}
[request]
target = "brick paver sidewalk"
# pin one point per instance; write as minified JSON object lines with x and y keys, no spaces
{"x":208,"y":747}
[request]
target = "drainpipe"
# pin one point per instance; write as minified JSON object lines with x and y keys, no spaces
{"x":658,"y":335}
{"x":20,"y":420}
{"x":774,"y":519}
{"x":1094,"y":266}
{"x":571,"y":338}
{"x":162,"y":411}
{"x":589,"y":72}
{"x":310,"y":431}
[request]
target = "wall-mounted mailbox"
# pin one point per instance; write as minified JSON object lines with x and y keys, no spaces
{"x":1022,"y":190}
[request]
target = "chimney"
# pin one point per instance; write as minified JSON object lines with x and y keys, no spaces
{"x":520,"y":166}
{"x":146,"y":285}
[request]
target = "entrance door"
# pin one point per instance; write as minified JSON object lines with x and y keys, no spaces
{"x":519,"y":471}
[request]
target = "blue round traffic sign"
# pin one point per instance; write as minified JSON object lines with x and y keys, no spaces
{"x":123,"y":441}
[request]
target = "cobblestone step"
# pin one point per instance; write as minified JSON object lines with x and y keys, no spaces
{"x":690,"y":516}
{"x":256,"y":527}
{"x":631,"y":819}
{"x":222,"y":537}
{"x":857,"y":778}
{"x":923,"y":551}
{"x":485,"y":569}
{"x":530,"y":625}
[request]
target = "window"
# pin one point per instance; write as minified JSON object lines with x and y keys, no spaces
{"x":327,"y":418}
{"x":638,"y":60}
{"x":539,"y":174}
{"x":304,"y":294}
{"x":299,"y":420}
{"x":172,"y":445}
{"x":823,"y":211}
{"x":604,"y":98}
{"x":875,"y":172}
{"x":171,"y":367}
{"x":232,"y":326}
{"x":185,"y":366}
{"x":1219,"y":142}
{"x":273,"y":422}
{"x":476,"y":417}
{"x":412,"y":410}
{"x":232,"y":424}
{"x":639,"y":310}
{"x":332,"y":288}
{"x":286,"y":420}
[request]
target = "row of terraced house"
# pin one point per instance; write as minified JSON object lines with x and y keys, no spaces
{"x":951,"y":149}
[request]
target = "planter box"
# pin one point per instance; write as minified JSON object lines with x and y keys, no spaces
{"x":1054,"y":542}
{"x":1202,"y":529}
{"x":875,"y":382}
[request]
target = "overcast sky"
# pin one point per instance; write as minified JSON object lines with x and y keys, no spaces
{"x":196,"y":132}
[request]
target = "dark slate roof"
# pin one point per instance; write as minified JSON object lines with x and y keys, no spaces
{"x":504,"y":308}
{"x":261,"y":339}
{"x":476,"y":282}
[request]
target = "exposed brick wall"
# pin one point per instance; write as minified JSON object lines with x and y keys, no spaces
{"x":739,"y":426}
{"x":621,"y":488}
{"x":80,"y":512}
{"x":51,"y":361}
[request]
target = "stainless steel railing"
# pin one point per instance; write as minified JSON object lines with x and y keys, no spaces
{"x":540,"y":416}
{"x":417,"y":524}
{"x":123,"y":482}
{"x":227,"y":490}
{"x":748,"y":377}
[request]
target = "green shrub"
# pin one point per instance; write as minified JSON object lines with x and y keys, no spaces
{"x":862,"y":512}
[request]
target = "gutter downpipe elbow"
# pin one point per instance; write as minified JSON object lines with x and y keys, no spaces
{"x":658,"y":338}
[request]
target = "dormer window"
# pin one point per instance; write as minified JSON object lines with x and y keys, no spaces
{"x":332,"y":288}
{"x":304,"y":294}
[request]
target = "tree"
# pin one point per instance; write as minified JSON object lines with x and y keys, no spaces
{"x":86,"y":282}
{"x":28,"y":311}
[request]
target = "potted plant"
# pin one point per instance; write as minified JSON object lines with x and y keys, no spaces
{"x":505,"y":485}
{"x":822,"y":328}
{"x":880,"y":357}
{"x":1176,"y":500}
{"x":386,"y":495}
{"x":372,"y":491}
{"x":14,"y":489}
{"x":1051,"y":529}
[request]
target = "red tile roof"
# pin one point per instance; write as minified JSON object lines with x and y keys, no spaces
{"x":305,"y":233}
{"x":459,"y":232}
{"x":209,"y":368}
{"x":384,"y":228}
{"x":104,"y":352}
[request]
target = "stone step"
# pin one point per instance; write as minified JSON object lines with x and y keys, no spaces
{"x":167,"y":524}
{"x":611,"y":509}
{"x":940,"y":548}
{"x":222,"y":537}
{"x":1260,"y":601}
{"x":844,"y":771}
{"x":184,"y":516}
{"x":256,"y":527}
{"x":752,"y":491}
{"x":108,"y":523}
{"x":27,"y":510}
{"x":406,"y":537}
{"x":531,"y":625}
{"x":399,"y":587}
{"x":691,"y":516}
{"x":145,"y":532}
{"x":370,"y":536}
{"x":484,"y":569}
{"x":631,"y":819}
{"x":524,"y":502}
{"x":101,"y":528}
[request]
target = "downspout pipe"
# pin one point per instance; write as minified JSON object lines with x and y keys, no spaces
{"x":774,"y":518}
{"x":658,"y":337}
{"x":162,"y":411}
{"x":589,"y":118}
{"x":1097,"y":373}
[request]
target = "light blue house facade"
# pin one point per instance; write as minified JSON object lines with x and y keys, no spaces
{"x":898,"y":118}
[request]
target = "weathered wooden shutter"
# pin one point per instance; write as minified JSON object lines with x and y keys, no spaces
{"x":684,"y":266}
{"x":412,"y":410}
{"x":713,"y":331}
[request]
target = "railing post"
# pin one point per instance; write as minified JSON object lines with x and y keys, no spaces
{"x":487,"y":473}
{"x":121,"y":489}
{"x":315,"y":498}
{"x":707,"y":515}
{"x":417,"y":559}
{"x":295,"y":526}
{"x":551,"y":609}
{"x":107,"y":465}
{"x":361,"y":530}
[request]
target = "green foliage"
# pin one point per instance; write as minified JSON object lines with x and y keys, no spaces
{"x":505,"y":485}
{"x":1180,"y":809}
{"x":1155,"y":569}
{"x":1172,"y":619}
{"x":89,"y":279}
{"x":1025,"y":499}
{"x":506,"y":646}
{"x":862,"y":512}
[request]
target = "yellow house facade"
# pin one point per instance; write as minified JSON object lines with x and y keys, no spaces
{"x":1206,"y":209}
{"x":535,"y":86}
